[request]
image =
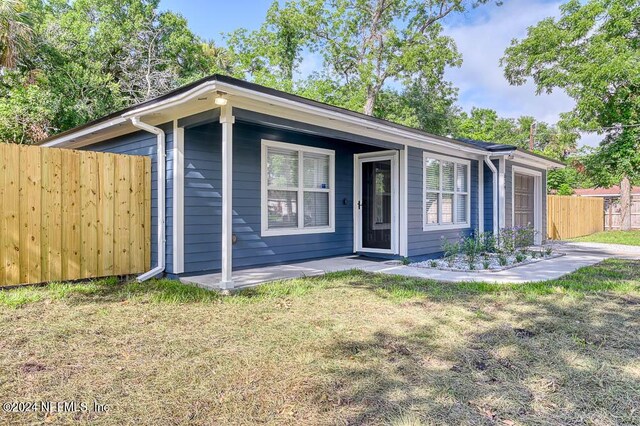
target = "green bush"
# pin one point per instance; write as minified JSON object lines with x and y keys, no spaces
{"x":472,"y":248}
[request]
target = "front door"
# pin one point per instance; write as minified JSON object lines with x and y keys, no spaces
{"x":375,"y":204}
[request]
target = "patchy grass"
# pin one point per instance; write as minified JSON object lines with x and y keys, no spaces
{"x":628,"y":238}
{"x":345,"y":348}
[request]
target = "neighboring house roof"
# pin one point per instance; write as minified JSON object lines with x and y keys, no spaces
{"x":614,"y":191}
{"x":116,"y":118}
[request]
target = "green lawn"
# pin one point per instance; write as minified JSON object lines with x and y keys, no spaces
{"x":629,"y":238}
{"x":345,"y":348}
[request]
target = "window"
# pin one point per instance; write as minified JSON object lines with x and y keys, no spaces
{"x":297,"y":189}
{"x":446,"y":192}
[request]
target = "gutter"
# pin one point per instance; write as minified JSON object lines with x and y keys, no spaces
{"x":161,"y":161}
{"x":494,"y":172}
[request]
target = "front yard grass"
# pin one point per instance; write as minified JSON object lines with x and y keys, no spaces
{"x":345,"y":348}
{"x":629,"y":238}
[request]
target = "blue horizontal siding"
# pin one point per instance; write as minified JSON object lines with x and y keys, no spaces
{"x":424,"y":244}
{"x":202,"y":197}
{"x":145,"y":143}
{"x":203,"y":192}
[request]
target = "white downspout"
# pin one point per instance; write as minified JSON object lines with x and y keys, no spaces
{"x":494,"y":172}
{"x":161,"y":161}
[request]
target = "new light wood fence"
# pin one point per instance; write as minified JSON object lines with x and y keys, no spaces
{"x":571,"y":217}
{"x":70,"y":215}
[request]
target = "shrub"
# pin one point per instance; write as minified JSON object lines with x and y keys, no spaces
{"x":524,"y":237}
{"x":502,"y":259}
{"x":485,"y":264}
{"x":520,"y":257}
{"x":405,"y":261}
{"x":507,"y":241}
{"x":433,"y":264}
{"x":472,"y":247}
{"x":488,"y":241}
{"x":548,"y":250}
{"x":450,"y":249}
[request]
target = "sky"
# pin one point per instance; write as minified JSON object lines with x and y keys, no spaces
{"x":481,"y":35}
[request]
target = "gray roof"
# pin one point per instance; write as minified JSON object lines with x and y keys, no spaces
{"x":489,"y":146}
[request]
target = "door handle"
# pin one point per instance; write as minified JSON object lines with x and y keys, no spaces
{"x":359,"y":205}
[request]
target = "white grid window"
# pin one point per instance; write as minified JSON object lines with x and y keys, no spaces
{"x":297,"y":189}
{"x":446,"y":192}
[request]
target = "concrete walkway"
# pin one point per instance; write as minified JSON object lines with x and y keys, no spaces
{"x":576,"y":256}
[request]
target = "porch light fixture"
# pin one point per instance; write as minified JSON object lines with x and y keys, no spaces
{"x":221,"y":98}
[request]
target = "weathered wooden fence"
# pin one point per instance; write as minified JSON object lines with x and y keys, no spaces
{"x":570,"y":217}
{"x":70,"y":215}
{"x":613,"y":213}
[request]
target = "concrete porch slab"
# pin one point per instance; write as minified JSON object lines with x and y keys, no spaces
{"x":254,"y":276}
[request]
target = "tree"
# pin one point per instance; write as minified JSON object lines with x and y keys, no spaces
{"x":364,"y":45}
{"x":483,"y":124}
{"x":92,"y":57}
{"x":15,"y":32}
{"x":367,"y":43}
{"x":431,"y":109}
{"x":271,"y":55}
{"x":591,"y":52}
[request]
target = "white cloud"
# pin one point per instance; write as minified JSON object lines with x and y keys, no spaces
{"x":482,"y":42}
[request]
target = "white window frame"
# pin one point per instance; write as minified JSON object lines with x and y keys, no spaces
{"x":301,"y":229}
{"x":440,"y":226}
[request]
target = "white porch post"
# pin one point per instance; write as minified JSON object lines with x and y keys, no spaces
{"x":178,"y":198}
{"x":404,"y":182}
{"x":227,"y":120}
{"x":480,"y":196}
{"x":502,"y":192}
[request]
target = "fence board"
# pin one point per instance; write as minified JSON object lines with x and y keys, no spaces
{"x":571,"y":217}
{"x":137,"y":215}
{"x":10,"y":214}
{"x":89,"y":214}
{"x":122,"y":212}
{"x":146,"y":224}
{"x":106,"y":214}
{"x":72,"y":214}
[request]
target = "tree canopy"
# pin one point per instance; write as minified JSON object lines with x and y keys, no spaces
{"x":91,"y":57}
{"x":592,"y":52}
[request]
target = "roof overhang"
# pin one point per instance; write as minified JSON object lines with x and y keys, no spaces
{"x":537,"y":160}
{"x":200,"y":98}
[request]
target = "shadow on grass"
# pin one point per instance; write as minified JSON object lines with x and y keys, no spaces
{"x":555,"y":363}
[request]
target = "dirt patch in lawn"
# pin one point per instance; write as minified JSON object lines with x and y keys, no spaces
{"x":348,"y":348}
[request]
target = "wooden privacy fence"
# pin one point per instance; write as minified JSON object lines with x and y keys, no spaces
{"x":70,"y":215}
{"x":613,"y":213}
{"x":571,"y":217}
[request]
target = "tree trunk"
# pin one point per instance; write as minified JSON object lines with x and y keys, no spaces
{"x":625,"y":204}
{"x":370,"y":103}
